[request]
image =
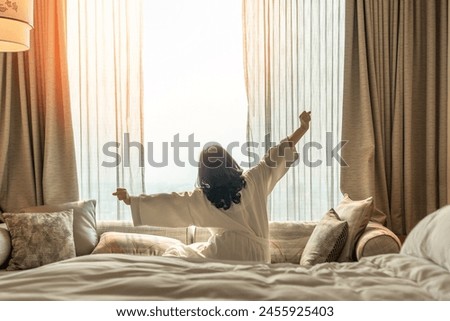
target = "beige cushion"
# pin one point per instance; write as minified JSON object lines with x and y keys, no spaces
{"x":326,"y":241}
{"x":39,"y":238}
{"x":132,"y":243}
{"x":84,"y":222}
{"x":357,"y":215}
{"x":430,"y":238}
{"x":5,"y":245}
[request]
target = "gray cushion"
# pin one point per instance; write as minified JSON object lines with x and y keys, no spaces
{"x":84,"y":222}
{"x":326,"y":241}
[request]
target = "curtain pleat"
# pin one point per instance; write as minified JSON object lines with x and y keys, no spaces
{"x":293,"y":55}
{"x":448,"y":109}
{"x":395,"y":107}
{"x":37,"y":159}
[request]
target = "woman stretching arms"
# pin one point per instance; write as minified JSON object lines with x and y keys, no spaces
{"x":229,"y":201}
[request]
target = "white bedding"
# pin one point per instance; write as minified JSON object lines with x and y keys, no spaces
{"x":126,"y":277}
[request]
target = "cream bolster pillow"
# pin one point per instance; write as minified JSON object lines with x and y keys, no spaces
{"x":5,"y":244}
{"x":135,"y":244}
{"x":179,"y":233}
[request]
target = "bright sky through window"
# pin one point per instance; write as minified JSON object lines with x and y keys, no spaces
{"x":194,"y":83}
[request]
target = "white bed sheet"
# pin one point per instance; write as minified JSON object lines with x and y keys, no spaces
{"x":126,"y":277}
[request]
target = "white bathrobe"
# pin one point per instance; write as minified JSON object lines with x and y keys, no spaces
{"x":239,"y":233}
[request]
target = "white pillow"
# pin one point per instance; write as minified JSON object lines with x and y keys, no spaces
{"x":430,"y":238}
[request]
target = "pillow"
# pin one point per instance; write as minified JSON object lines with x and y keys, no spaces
{"x":39,"y":238}
{"x":5,"y":245}
{"x":357,"y":214}
{"x":430,"y":238}
{"x":326,"y":241}
{"x":132,"y":243}
{"x":84,"y":222}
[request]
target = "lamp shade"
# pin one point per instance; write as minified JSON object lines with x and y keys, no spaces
{"x":16,"y":22}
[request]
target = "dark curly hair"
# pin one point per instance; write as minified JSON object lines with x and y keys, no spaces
{"x":220,"y":177}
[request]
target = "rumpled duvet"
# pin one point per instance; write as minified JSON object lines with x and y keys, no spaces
{"x":127,"y":277}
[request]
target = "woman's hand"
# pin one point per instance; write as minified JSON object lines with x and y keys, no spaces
{"x":305,"y":119}
{"x":122,"y":195}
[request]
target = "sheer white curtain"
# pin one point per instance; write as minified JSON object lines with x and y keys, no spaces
{"x":105,"y":57}
{"x":186,"y":56}
{"x":294,"y":52}
{"x":194,"y":84}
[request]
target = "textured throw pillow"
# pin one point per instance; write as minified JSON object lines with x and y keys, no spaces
{"x":5,"y":245}
{"x":84,"y":222}
{"x":39,"y":238}
{"x":357,"y":215}
{"x":326,"y":241}
{"x":132,"y":243}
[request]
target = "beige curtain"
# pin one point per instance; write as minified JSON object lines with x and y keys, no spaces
{"x":106,"y":90}
{"x":37,"y":160}
{"x":395,"y":107}
{"x":293,"y":55}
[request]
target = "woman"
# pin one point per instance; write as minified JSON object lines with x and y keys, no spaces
{"x":232,"y":203}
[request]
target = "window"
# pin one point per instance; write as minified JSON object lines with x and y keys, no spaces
{"x":144,"y":74}
{"x":193,"y":83}
{"x":149,"y":77}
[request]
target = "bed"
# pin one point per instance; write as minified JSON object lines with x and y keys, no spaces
{"x":127,"y":277}
{"x":419,"y":272}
